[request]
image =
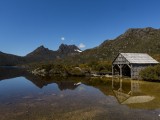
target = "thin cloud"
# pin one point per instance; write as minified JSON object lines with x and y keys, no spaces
{"x":62,"y":38}
{"x":81,"y":45}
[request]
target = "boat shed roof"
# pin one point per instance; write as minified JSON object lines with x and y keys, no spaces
{"x":139,"y":58}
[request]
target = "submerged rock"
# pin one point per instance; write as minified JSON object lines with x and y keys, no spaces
{"x":40,"y":72}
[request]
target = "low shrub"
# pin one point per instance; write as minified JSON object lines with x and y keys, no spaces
{"x":151,"y":73}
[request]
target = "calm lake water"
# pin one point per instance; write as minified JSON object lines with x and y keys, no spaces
{"x":26,"y":97}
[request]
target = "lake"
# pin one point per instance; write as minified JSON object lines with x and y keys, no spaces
{"x":27,"y":97}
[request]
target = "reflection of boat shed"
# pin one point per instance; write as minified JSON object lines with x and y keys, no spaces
{"x":125,"y":98}
{"x":130,"y":64}
{"x":132,"y":95}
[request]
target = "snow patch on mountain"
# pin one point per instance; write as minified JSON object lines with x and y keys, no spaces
{"x":77,"y":50}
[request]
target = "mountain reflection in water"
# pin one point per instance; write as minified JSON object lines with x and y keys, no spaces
{"x":60,"y":98}
{"x":13,"y":72}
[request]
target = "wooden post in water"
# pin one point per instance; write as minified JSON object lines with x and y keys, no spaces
{"x":112,"y":70}
{"x":120,"y":70}
{"x":131,"y":72}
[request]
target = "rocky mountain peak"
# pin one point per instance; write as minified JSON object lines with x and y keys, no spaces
{"x":63,"y":48}
{"x":41,"y":48}
{"x":140,"y":32}
{"x":42,"y":53}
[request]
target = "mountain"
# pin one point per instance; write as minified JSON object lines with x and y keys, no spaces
{"x":139,"y":40}
{"x":67,"y":50}
{"x":44,"y":54}
{"x":40,"y":54}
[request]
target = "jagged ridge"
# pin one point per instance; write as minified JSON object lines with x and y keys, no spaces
{"x":38,"y":55}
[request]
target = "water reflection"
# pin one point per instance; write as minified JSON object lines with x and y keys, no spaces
{"x":126,"y":91}
{"x":132,"y":94}
{"x":6,"y":73}
{"x":27,"y":97}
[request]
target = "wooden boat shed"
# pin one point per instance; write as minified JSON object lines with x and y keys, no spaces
{"x":130,"y":64}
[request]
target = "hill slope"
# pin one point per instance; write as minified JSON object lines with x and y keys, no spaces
{"x":10,"y":60}
{"x":138,"y":40}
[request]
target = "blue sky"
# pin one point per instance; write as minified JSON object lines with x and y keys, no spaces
{"x":27,"y":24}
